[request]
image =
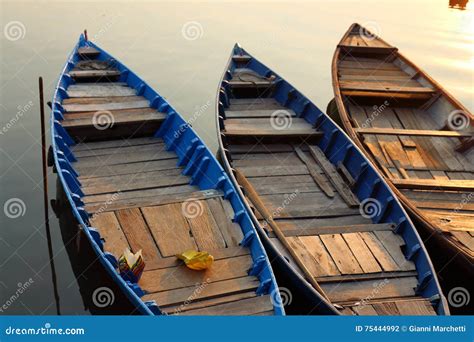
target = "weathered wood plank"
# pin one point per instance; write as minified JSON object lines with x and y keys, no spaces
{"x":358,"y":290}
{"x":137,"y":102}
{"x":308,"y":231}
{"x":203,"y":291}
{"x":169,"y":228}
{"x":179,"y":277}
{"x":100,"y":91}
{"x":434,"y":184}
{"x":146,"y":154}
{"x":154,"y":181}
{"x":299,"y":248}
{"x":414,"y":132}
{"x":87,"y":51}
{"x":325,"y":264}
{"x":92,"y":121}
{"x":113,"y":144}
{"x":205,"y":231}
{"x":231,"y":231}
{"x":93,"y":73}
{"x":393,"y":244}
{"x":138,"y":235}
{"x":334,"y":177}
{"x":242,"y":307}
{"x":362,"y":253}
{"x":341,"y":254}
{"x":149,"y":201}
{"x":115,"y":241}
{"x":207,"y":303}
{"x":378,"y":250}
{"x":126,"y":169}
{"x":218,"y":254}
{"x":158,"y":145}
{"x":376,"y":87}
{"x":321,"y":181}
{"x":255,"y":113}
{"x":415,"y":307}
{"x":367,"y":276}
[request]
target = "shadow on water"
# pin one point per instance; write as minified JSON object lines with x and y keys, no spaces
{"x":454,"y":274}
{"x":100,"y":294}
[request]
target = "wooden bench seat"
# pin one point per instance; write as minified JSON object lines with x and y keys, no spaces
{"x":88,"y":52}
{"x":86,"y":90}
{"x":94,"y":104}
{"x":434,"y":184}
{"x":263,"y":127}
{"x":241,"y":58}
{"x":414,"y":132}
{"x":84,"y":74}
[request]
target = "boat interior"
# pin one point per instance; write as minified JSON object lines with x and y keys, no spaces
{"x":140,"y":193}
{"x":332,"y":208}
{"x":418,"y":135}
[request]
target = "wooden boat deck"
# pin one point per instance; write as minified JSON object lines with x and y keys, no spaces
{"x":360,"y":265}
{"x":400,"y":117}
{"x":427,"y":169}
{"x":139,"y":199}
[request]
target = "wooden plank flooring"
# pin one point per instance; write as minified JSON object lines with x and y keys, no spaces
{"x":144,"y":208}
{"x":139,"y":199}
{"x":436,"y":178}
{"x":313,"y":204}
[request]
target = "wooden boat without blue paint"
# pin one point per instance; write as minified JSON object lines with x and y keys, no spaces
{"x":420,"y":138}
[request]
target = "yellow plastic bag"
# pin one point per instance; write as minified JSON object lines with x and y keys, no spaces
{"x":196,"y":260}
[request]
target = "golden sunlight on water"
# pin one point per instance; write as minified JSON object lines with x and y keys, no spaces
{"x":296,"y":39}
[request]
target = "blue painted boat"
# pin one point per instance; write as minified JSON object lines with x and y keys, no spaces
{"x":333,"y":220}
{"x":137,"y":177}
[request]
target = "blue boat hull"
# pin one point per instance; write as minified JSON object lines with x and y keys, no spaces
{"x":197,"y":161}
{"x":337,"y":147}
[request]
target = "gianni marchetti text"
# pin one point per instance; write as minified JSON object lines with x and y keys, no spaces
{"x":437,"y":328}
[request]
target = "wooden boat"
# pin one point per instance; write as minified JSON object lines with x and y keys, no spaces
{"x":335,"y":232}
{"x":418,"y":136}
{"x":137,"y":176}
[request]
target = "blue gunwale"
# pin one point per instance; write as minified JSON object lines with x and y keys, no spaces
{"x":201,"y":165}
{"x":370,"y":183}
